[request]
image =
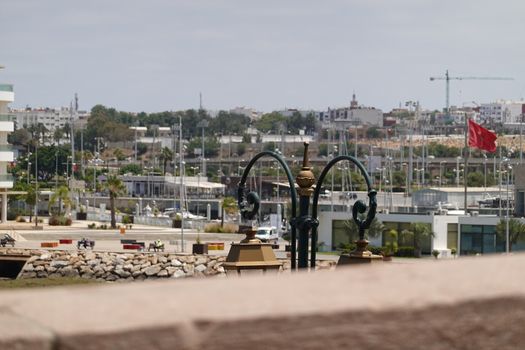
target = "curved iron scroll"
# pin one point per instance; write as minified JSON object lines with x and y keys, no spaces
{"x":249,"y":205}
{"x":358,"y":208}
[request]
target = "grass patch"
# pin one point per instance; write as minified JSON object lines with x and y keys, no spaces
{"x":44,"y":282}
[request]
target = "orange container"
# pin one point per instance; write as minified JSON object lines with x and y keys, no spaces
{"x":49,"y":244}
{"x":122,"y":230}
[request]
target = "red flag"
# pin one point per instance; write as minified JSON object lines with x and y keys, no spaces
{"x":480,"y":137}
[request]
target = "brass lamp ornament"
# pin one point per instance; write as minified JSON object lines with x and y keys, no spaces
{"x":249,"y":205}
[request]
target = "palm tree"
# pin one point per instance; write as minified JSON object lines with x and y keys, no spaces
{"x":62,"y":195}
{"x":418,"y":231}
{"x":229,"y":206}
{"x":57,"y":135}
{"x":116,"y":188}
{"x":165,"y":155}
{"x":516,"y":231}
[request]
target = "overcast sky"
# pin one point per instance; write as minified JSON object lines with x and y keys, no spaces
{"x":158,"y":55}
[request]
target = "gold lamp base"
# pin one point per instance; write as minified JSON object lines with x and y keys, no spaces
{"x":360,"y":255}
{"x":251,"y":254}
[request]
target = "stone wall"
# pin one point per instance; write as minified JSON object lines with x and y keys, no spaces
{"x":110,"y":266}
{"x":467,"y":303}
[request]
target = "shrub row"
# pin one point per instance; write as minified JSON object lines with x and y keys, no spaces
{"x":59,"y":221}
{"x":215,"y":227}
{"x":345,"y":248}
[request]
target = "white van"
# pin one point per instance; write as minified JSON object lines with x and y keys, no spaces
{"x":267,"y":234}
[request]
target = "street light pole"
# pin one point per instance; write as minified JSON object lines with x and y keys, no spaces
{"x":457,"y":171}
{"x":507,"y":235}
{"x":181,"y":173}
{"x":36,"y":183}
{"x":485,"y":171}
{"x":441,"y":172}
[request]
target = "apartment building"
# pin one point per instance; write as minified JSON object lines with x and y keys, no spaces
{"x":6,"y":152}
{"x":347,"y":117}
{"x":502,"y":112}
{"x":51,"y":118}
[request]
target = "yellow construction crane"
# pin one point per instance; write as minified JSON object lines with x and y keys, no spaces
{"x":448,"y":78}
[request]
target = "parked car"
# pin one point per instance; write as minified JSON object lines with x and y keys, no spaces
{"x":267,"y":234}
{"x":325,"y":194}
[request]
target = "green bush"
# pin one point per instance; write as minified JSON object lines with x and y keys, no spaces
{"x":406,"y":252}
{"x":59,"y":221}
{"x":215,"y":227}
{"x":20,"y":219}
{"x":12,"y":214}
{"x":126,"y":219}
{"x":92,"y":226}
{"x":53,"y":221}
{"x":376,"y":250}
{"x":346,"y":248}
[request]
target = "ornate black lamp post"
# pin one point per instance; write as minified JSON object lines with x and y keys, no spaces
{"x":249,"y":205}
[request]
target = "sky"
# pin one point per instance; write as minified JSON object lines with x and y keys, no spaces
{"x":158,"y":55}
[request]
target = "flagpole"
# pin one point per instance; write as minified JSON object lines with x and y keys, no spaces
{"x":465,"y":169}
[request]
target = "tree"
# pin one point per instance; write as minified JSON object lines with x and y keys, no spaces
{"x":373,"y":133}
{"x":211,"y":146}
{"x":165,"y":156}
{"x":30,"y":199}
{"x":57,"y":135}
{"x":229,"y":206}
{"x":119,"y":155}
{"x":391,"y":242}
{"x":418,"y":231}
{"x":270,"y":122}
{"x":115,"y":188}
{"x":141,"y":148}
{"x":241,"y":149}
{"x":478,"y":180}
{"x":399,"y":178}
{"x":20,"y":137}
{"x":228,"y":123}
{"x":60,"y":195}
{"x":134,"y":169}
{"x":516,"y":231}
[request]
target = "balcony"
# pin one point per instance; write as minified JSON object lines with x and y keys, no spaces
{"x":6,"y":87}
{"x":6,"y":93}
{"x":6,"y":181}
{"x":7,"y":122}
{"x":6,"y":153}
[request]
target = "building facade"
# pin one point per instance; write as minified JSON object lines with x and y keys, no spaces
{"x":51,"y":118}
{"x":502,"y":112}
{"x":466,"y":235}
{"x":347,"y":117}
{"x":6,"y":152}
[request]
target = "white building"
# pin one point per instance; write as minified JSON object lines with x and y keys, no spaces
{"x":6,"y":152}
{"x":502,"y":112}
{"x":51,"y":118}
{"x":249,"y":112}
{"x":347,"y":117}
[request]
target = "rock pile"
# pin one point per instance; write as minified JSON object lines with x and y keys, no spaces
{"x":111,"y":266}
{"x":108,"y":266}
